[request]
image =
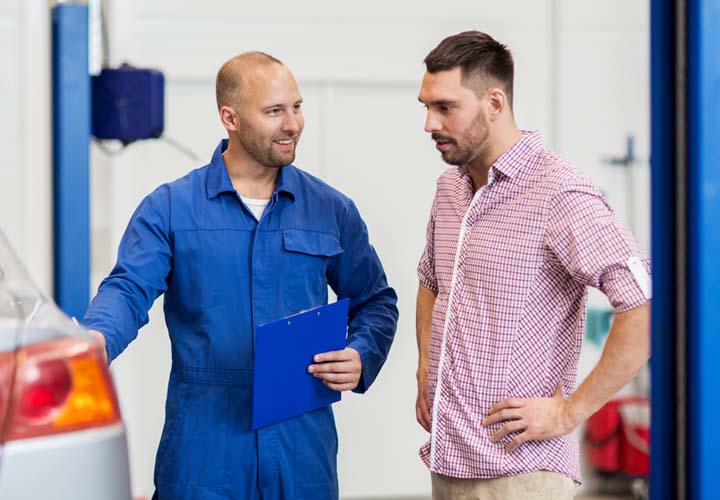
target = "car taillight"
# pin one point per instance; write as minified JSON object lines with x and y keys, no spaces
{"x":46,"y":387}
{"x":60,"y":385}
{"x":7,"y":369}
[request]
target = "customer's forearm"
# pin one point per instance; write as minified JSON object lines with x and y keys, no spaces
{"x":423,"y":324}
{"x":627,"y":349}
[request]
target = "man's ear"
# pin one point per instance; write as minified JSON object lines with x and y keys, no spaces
{"x":229,"y":118}
{"x":497,"y":102}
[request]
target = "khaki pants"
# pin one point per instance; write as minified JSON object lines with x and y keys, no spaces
{"x":539,"y":485}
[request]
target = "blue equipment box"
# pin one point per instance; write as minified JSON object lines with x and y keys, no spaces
{"x":128,"y":104}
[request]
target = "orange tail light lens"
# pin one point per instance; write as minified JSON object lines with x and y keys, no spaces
{"x":60,"y":386}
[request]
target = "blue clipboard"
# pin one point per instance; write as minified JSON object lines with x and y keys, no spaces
{"x":282,"y":386}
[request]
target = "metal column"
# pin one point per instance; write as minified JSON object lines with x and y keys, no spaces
{"x":71,"y":157}
{"x":668,"y":332}
{"x":686,"y":249}
{"x":703,"y":134}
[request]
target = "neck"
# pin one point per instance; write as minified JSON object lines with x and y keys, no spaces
{"x":249,"y":178}
{"x":479,"y":166}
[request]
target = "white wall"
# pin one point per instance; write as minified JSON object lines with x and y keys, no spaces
{"x":25,"y":125}
{"x":582,"y":78}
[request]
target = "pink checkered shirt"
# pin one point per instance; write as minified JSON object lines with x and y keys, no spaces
{"x":511,"y":267}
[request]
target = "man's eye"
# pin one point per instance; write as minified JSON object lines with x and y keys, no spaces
{"x":296,"y":108}
{"x":445,"y":109}
{"x":274,"y":111}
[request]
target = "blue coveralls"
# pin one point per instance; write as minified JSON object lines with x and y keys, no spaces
{"x":223,"y":273}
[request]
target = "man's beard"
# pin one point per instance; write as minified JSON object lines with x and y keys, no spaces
{"x":467,"y":148}
{"x":261,"y":148}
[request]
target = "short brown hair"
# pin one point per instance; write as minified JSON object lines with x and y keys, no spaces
{"x":479,"y":55}
{"x":229,"y":80}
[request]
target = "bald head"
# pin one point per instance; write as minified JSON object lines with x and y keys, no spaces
{"x":236,"y":75}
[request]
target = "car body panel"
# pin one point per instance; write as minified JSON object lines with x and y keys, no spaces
{"x":85,"y":465}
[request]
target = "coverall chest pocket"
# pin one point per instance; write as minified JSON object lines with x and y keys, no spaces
{"x":306,"y":257}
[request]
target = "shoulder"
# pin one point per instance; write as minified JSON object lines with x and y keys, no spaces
{"x":569,"y":192}
{"x":190,"y":182}
{"x":172,"y":196}
{"x":558,"y":175}
{"x":316,"y":191}
{"x":449,"y":178}
{"x":184,"y":190}
{"x":449,"y":183}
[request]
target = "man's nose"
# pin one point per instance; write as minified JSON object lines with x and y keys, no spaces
{"x":432,"y":124}
{"x":291,"y":123}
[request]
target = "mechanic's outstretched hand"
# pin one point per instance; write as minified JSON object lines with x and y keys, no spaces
{"x":339,"y":370}
{"x":101,"y":340}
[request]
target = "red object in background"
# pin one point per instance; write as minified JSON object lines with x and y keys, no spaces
{"x":602,"y":438}
{"x":635,"y":438}
{"x":617,"y":437}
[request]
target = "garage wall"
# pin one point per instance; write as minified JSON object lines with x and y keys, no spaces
{"x":25,"y":121}
{"x":581,"y":78}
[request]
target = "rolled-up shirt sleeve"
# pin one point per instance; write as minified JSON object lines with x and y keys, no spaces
{"x":597,"y":249}
{"x":426,"y":267}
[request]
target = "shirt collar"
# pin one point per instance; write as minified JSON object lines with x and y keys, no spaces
{"x":512,"y":161}
{"x":218,"y":180}
{"x":509,"y":165}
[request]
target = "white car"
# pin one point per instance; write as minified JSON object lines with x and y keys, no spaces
{"x":61,"y":433}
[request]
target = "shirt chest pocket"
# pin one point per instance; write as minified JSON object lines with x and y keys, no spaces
{"x":306,"y":256}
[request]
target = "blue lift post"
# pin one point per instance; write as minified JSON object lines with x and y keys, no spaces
{"x":704,"y":246}
{"x":71,"y":157}
{"x":686,"y":249}
{"x":664,"y":436}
